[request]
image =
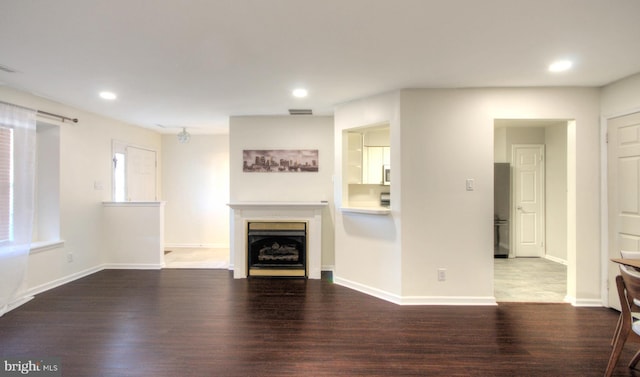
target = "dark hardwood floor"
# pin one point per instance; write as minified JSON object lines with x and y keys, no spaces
{"x":205,"y":323}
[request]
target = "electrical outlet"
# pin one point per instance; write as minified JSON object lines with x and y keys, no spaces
{"x":442,"y":274}
{"x":69,"y":257}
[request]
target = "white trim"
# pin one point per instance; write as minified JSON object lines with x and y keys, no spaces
{"x":15,"y":304}
{"x":132,"y":266}
{"x":366,"y":210}
{"x":604,"y":201}
{"x":621,"y":113}
{"x":585,"y":302}
{"x":63,"y":280}
{"x":178,"y":245}
{"x":449,"y":300}
{"x":556,"y":259}
{"x":417,"y":300}
{"x":134,"y":204}
{"x":38,"y":247}
{"x":604,"y":211}
{"x":375,"y":292}
{"x":275,"y":205}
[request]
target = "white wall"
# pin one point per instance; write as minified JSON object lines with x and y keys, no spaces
{"x":285,"y":132}
{"x":368,"y":247}
{"x":85,"y":158}
{"x":556,"y":191}
{"x":446,"y":137}
{"x":468,"y":116}
{"x":621,"y":96}
{"x":500,"y":144}
{"x":523,"y":135}
{"x":195,"y":186}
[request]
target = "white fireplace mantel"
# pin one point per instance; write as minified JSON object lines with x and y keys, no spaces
{"x":244,"y":212}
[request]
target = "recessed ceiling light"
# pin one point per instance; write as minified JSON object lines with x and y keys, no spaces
{"x":560,"y":66}
{"x":108,"y":95}
{"x":300,"y":93}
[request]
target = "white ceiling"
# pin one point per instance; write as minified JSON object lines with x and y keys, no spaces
{"x":194,"y":63}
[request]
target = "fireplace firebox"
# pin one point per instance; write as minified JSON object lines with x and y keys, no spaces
{"x":277,"y":249}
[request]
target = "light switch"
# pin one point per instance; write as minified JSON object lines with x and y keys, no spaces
{"x":97,"y":185}
{"x":470,"y":184}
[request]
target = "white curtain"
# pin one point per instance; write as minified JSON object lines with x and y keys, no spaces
{"x":18,"y":126}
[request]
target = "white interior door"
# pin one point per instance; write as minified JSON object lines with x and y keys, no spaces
{"x":528,"y":185}
{"x":623,"y":181}
{"x":141,"y":174}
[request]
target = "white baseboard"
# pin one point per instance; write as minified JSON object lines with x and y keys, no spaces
{"x":555,"y":259}
{"x":15,"y":304}
{"x":450,"y":300}
{"x":375,"y":292}
{"x":584,"y":302}
{"x":328,"y":267}
{"x":178,"y":245}
{"x":416,"y":300}
{"x":131,"y":266}
{"x":63,"y":280}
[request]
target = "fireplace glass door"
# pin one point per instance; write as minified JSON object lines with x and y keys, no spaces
{"x":277,"y":249}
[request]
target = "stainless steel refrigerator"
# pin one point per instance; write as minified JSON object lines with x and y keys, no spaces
{"x":501,"y":208}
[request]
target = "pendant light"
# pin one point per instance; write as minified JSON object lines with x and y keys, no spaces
{"x":184,"y":136}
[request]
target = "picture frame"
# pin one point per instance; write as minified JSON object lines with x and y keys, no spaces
{"x":280,"y":161}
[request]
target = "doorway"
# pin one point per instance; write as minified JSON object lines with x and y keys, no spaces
{"x":535,"y":268}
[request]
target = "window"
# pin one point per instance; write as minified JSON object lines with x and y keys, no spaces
{"x":46,"y":219}
{"x":6,"y":183}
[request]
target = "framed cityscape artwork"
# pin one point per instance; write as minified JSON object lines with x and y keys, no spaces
{"x":279,"y":160}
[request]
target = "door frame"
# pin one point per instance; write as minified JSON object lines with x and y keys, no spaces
{"x":604,"y":207}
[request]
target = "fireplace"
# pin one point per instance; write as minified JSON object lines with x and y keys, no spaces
{"x":277,"y":248}
{"x":309,"y":213}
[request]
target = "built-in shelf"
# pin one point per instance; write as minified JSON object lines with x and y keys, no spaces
{"x":367,"y":210}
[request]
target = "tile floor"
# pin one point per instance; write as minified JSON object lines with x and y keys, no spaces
{"x":196,"y":258}
{"x":529,"y":280}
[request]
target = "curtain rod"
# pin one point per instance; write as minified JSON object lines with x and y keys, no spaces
{"x":45,"y":113}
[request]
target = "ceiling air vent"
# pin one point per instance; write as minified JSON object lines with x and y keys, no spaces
{"x":4,"y":68}
{"x":300,"y":112}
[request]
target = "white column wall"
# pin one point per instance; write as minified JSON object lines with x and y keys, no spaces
{"x":446,"y":137}
{"x":368,"y":247}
